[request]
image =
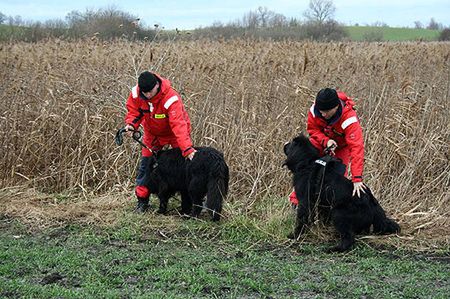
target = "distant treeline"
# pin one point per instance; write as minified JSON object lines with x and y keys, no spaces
{"x":105,"y":23}
{"x":111,"y":23}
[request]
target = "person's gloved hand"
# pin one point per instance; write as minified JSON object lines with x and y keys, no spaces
{"x":129,"y":129}
{"x":191,"y":155}
{"x":332,"y":145}
{"x":358,"y":187}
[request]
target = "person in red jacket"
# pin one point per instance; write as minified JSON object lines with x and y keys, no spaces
{"x":155,"y":105}
{"x":333,"y":123}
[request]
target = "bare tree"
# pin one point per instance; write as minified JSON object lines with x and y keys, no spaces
{"x":379,"y":24}
{"x":15,"y":21}
{"x":433,"y":25}
{"x":251,"y":20}
{"x":217,"y":24}
{"x":2,"y":17}
{"x":418,"y":25}
{"x":106,"y":23}
{"x":262,"y":18}
{"x":445,"y":35}
{"x":320,"y":11}
{"x":278,"y":20}
{"x":265,"y":15}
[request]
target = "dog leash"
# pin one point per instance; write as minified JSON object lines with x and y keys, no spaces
{"x":320,"y":178}
{"x":136,"y":137}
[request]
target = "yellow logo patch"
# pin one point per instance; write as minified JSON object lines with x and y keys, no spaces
{"x":160,"y":116}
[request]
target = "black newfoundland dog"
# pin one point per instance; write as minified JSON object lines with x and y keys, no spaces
{"x":207,"y":174}
{"x":321,"y":186}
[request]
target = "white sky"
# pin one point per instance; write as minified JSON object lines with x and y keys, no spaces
{"x":190,"y":14}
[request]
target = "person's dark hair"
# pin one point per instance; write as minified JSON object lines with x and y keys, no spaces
{"x":146,"y":81}
{"x":327,"y":99}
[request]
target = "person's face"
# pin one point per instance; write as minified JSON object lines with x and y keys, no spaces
{"x":150,"y":94}
{"x":327,"y":114}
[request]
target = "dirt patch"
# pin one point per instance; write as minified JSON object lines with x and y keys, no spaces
{"x":51,"y":278}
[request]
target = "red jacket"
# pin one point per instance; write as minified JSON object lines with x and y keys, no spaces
{"x":344,"y":128}
{"x":163,"y":117}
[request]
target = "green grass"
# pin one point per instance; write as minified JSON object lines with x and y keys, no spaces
{"x":357,"y":33}
{"x":6,"y":31}
{"x":202,"y":260}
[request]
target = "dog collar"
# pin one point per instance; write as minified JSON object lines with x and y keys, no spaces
{"x":321,"y":162}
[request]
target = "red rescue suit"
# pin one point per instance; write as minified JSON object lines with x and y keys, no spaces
{"x":163,"y":117}
{"x":345,"y":129}
{"x":165,"y":121}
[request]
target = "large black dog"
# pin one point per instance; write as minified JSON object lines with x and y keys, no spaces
{"x":320,"y":185}
{"x":207,"y":174}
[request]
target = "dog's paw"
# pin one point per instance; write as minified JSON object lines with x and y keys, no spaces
{"x":338,"y":249}
{"x":215,"y":217}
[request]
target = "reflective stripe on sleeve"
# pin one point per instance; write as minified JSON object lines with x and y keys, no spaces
{"x":170,"y":102}
{"x":348,"y":122}
{"x":312,"y":110}
{"x":134,"y":92}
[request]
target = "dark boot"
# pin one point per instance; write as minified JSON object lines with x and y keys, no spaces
{"x":142,"y":205}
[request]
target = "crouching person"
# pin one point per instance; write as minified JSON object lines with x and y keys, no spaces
{"x":333,"y":123}
{"x":155,"y":105}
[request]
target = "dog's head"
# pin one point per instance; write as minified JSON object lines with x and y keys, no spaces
{"x":299,"y":153}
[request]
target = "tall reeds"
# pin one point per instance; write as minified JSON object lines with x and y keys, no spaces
{"x":61,"y":103}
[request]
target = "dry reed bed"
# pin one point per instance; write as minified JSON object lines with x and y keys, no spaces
{"x":62,"y":102}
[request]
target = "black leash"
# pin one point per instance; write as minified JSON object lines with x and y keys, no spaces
{"x":136,"y":136}
{"x":320,"y":176}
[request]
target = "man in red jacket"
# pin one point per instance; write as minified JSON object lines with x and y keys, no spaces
{"x":333,"y":123}
{"x":158,"y":107}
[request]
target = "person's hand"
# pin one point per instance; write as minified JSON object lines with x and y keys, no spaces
{"x":358,"y":187}
{"x":191,"y":155}
{"x":332,"y":145}
{"x":129,"y":129}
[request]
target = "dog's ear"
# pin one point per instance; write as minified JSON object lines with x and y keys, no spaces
{"x":300,"y":139}
{"x":152,"y":162}
{"x":286,"y":148}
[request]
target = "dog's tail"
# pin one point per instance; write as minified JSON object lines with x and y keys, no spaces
{"x":387,"y":226}
{"x":381,"y":223}
{"x":217,"y":187}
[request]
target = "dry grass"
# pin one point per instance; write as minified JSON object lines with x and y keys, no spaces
{"x":40,"y":211}
{"x":62,"y":102}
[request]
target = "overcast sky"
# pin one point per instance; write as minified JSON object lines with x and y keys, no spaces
{"x":190,"y":14}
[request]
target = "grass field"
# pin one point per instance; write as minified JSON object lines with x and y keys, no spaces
{"x":68,"y":247}
{"x":358,"y":33}
{"x":135,"y":259}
